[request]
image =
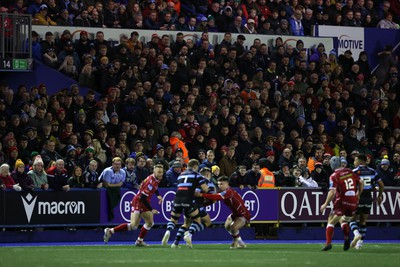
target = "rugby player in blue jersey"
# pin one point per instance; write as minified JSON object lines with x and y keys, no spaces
{"x":201,"y":204}
{"x":371,"y":180}
{"x":185,"y":202}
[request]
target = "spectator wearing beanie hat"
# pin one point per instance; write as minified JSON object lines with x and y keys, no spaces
{"x":173,"y":173}
{"x":70,"y":159}
{"x":386,"y":173}
{"x":38,"y":175}
{"x":159,"y":158}
{"x":271,"y":163}
{"x":320,"y":176}
{"x":21,"y":178}
{"x":215,"y":170}
{"x":32,"y":158}
{"x":13,"y":155}
{"x":343,"y":162}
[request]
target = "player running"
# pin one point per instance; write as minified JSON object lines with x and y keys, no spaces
{"x":370,"y":179}
{"x":141,"y":208}
{"x":347,"y":187}
{"x":240,"y":214}
{"x":188,"y":182}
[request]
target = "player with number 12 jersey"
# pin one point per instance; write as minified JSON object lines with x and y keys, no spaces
{"x":346,"y":183}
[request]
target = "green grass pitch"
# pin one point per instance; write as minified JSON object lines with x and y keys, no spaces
{"x":281,"y":255}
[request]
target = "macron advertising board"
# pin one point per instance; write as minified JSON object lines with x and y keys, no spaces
{"x":90,"y":207}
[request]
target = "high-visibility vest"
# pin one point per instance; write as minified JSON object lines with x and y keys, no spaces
{"x":267,"y":178}
{"x":311,"y":164}
{"x":176,"y":143}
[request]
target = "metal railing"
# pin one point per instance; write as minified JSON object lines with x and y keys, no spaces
{"x":15,"y":44}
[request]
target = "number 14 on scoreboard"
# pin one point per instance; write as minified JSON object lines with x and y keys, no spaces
{"x":15,"y":64}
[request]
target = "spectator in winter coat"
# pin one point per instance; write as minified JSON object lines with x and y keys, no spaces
{"x":6,"y":179}
{"x":173,"y":174}
{"x":320,"y":176}
{"x":21,"y":178}
{"x":238,"y":178}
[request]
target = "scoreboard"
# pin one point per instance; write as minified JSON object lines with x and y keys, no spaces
{"x":16,"y":64}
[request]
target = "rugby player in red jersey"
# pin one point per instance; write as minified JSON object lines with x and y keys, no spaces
{"x":141,"y":208}
{"x":240,"y":214}
{"x":346,"y":187}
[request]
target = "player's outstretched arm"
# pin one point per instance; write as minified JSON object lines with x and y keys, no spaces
{"x":212,"y":196}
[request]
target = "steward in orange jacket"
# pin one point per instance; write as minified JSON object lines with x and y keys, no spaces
{"x":267,"y":178}
{"x":176,"y":143}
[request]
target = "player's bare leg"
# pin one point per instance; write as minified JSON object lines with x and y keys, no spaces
{"x":235,"y":226}
{"x":228,"y":223}
{"x":133,"y":225}
{"x":149,"y":222}
{"x":206,"y":220}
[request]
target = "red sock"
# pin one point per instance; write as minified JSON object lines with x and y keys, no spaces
{"x":143,"y":232}
{"x":346,"y":230}
{"x":121,"y":228}
{"x":329,"y":234}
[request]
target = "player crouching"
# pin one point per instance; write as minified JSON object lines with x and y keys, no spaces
{"x":240,"y":214}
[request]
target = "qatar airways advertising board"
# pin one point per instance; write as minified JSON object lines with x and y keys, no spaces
{"x":303,"y":206}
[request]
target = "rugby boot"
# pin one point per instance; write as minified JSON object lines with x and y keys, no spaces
{"x":346,"y":244}
{"x":326,"y":248}
{"x":107,"y":235}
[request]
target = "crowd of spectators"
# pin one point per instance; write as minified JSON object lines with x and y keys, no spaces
{"x":227,"y":105}
{"x":294,"y":17}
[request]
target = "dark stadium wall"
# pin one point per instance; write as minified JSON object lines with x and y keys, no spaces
{"x":54,"y":80}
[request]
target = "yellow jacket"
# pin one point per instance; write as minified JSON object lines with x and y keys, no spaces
{"x":39,"y":19}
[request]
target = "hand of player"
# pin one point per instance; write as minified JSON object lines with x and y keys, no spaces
{"x":197,"y":194}
{"x":322,"y":208}
{"x":379,"y":200}
{"x":154,"y":211}
{"x":160,"y":199}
